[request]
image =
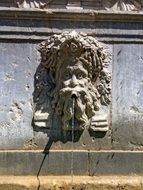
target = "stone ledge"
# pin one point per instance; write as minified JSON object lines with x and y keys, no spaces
{"x":58,"y":163}
{"x":24,"y":25}
{"x":73,"y":14}
{"x":69,"y":183}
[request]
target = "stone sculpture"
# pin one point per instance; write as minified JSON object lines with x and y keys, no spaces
{"x":110,"y":5}
{"x":72,"y":66}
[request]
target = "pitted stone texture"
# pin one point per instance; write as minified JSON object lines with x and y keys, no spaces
{"x":127,"y":99}
{"x":17,"y":69}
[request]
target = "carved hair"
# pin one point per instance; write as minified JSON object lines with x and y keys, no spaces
{"x":60,"y":52}
{"x":82,"y":47}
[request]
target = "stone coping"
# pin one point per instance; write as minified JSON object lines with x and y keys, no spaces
{"x":69,"y":183}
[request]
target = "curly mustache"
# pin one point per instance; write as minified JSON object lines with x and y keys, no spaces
{"x":84,"y":108}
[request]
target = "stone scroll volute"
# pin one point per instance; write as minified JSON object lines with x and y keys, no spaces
{"x":73,"y":65}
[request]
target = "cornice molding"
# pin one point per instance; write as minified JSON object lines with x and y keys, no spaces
{"x":74,"y":15}
{"x":36,"y":25}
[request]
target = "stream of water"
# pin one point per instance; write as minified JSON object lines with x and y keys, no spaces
{"x":72,"y":136}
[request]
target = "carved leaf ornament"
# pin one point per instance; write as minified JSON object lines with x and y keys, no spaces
{"x":123,"y":5}
{"x":115,"y":5}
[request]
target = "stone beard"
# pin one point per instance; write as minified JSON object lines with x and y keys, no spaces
{"x":75,"y":66}
{"x":73,"y":80}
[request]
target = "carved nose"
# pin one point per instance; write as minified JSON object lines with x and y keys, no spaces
{"x":74,"y":81}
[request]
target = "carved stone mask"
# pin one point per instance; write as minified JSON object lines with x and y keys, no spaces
{"x":75,"y":66}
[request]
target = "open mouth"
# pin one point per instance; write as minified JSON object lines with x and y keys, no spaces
{"x":74,"y":95}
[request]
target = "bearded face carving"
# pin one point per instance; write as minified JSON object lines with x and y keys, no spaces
{"x":73,"y":67}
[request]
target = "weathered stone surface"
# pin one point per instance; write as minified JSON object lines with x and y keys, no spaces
{"x":77,"y":183}
{"x":17,"y":87}
{"x":127,"y":99}
{"x":78,"y":163}
{"x":105,"y":26}
{"x":17,"y":68}
{"x":82,"y":141}
{"x":20,"y":135}
{"x":118,"y":163}
{"x":39,"y":163}
{"x":20,"y":33}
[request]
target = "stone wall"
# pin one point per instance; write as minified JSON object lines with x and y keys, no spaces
{"x":22,"y":145}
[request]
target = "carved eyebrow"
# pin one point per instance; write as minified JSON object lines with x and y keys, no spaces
{"x":80,"y":69}
{"x":77,"y":69}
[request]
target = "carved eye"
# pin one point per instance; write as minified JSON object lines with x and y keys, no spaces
{"x":67,"y":76}
{"x":80,"y":76}
{"x":73,"y":47}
